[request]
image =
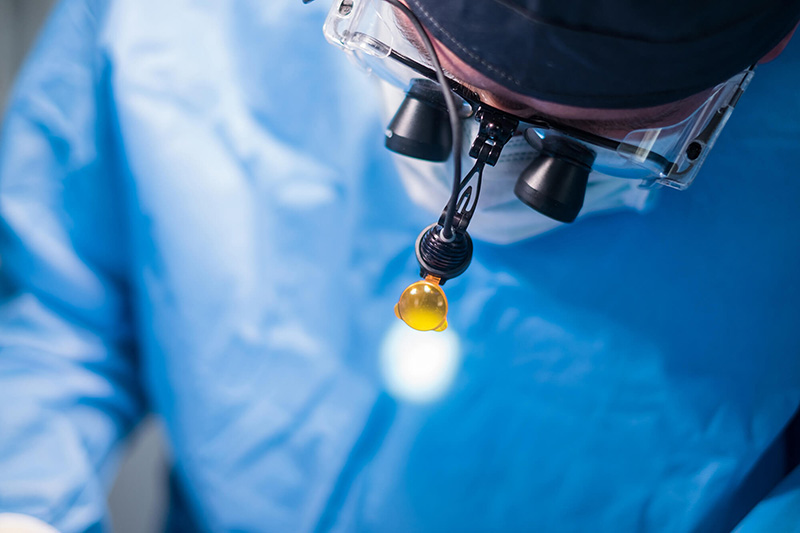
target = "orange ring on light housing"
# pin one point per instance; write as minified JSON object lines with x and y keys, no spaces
{"x":423,"y":305}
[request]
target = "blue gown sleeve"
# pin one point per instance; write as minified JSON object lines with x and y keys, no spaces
{"x":68,"y":372}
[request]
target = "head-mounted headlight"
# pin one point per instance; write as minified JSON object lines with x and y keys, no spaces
{"x":386,"y":39}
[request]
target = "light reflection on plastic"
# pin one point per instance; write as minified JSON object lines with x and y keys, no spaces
{"x":419,"y":366}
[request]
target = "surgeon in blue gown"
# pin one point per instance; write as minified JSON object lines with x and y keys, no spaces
{"x":199,"y":220}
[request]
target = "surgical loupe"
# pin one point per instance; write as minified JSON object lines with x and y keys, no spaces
{"x":386,"y":38}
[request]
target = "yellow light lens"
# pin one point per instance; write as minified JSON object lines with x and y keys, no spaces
{"x":423,"y":306}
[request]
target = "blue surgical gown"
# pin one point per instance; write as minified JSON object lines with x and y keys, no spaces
{"x":199,"y":220}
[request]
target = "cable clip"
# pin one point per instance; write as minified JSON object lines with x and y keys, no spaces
{"x":496,"y":129}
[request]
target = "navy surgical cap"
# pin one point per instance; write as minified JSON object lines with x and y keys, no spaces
{"x":609,"y":53}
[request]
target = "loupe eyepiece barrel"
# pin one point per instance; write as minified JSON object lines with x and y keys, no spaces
{"x":421,"y":126}
{"x":554,"y":184}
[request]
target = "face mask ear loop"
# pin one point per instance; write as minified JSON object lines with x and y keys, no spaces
{"x":452,"y":111}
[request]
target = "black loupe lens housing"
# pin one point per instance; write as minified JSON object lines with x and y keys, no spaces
{"x":554,"y":184}
{"x":421,"y":127}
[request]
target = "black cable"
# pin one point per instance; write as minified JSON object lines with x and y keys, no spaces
{"x":455,"y":121}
